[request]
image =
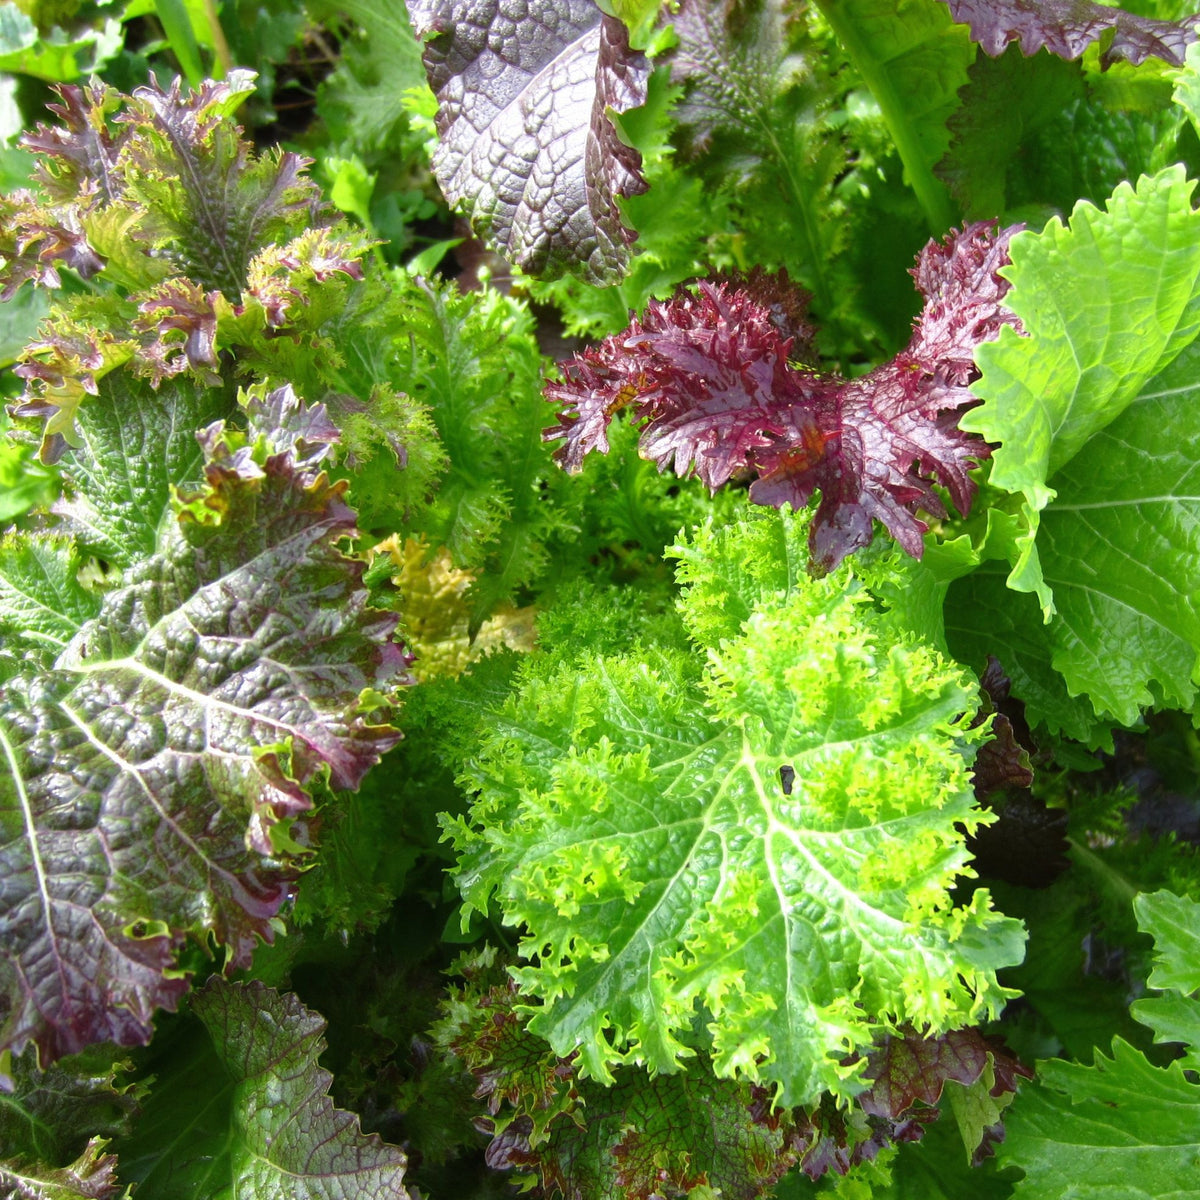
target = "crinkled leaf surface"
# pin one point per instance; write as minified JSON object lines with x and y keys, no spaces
{"x":1096,"y":412}
{"x":527,"y":146}
{"x":1122,"y":1127}
{"x":136,"y":442}
{"x":42,"y":603}
{"x":708,"y":374}
{"x":1068,"y":27}
{"x":48,"y":1115}
{"x":658,"y":853}
{"x":248,"y":1116}
{"x":144,"y":771}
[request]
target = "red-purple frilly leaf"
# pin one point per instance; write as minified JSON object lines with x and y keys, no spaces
{"x":710,"y":375}
{"x":1068,"y":27}
{"x":145,"y":774}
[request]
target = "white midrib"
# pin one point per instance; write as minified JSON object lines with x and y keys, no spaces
{"x":205,"y":702}
{"x":35,"y":852}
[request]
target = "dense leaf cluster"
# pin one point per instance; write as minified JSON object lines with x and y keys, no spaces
{"x":794,"y":795}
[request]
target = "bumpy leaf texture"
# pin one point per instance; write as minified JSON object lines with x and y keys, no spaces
{"x":145,"y":771}
{"x":708,"y":374}
{"x":161,"y":195}
{"x":1068,"y":27}
{"x":648,"y":1136}
{"x":286,"y":1140}
{"x":527,"y":146}
{"x":780,"y":855}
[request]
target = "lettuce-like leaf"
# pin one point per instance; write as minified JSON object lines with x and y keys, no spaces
{"x":1122,"y":1126}
{"x":1068,"y":27}
{"x":267,"y":1128}
{"x":758,"y":854}
{"x":524,"y":90}
{"x":1095,"y":412}
{"x":708,"y":373}
{"x":145,"y":771}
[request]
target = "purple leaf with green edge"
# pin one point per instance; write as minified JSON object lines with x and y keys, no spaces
{"x":641,"y":1137}
{"x":147,"y":770}
{"x":35,"y":240}
{"x":708,"y":374}
{"x":524,"y":89}
{"x":1068,"y":27}
{"x":91,"y":1177}
{"x":240,"y":1108}
{"x":286,"y":1139}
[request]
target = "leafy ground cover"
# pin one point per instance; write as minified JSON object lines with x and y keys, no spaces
{"x":601,"y":600}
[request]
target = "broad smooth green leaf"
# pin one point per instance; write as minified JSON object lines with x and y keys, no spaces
{"x":1119,"y":544}
{"x":1095,"y":409}
{"x":248,"y":1116}
{"x":1106,"y":304}
{"x":773,"y":835}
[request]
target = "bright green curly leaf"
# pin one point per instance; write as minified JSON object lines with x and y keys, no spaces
{"x":772,"y":834}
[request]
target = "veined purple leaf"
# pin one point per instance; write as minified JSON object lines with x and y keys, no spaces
{"x":1068,"y":27}
{"x":285,"y":1137}
{"x":709,"y":373}
{"x":527,"y":146}
{"x":145,"y":772}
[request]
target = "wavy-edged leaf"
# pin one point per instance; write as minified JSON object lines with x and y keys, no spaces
{"x":708,"y":374}
{"x":1068,"y":27}
{"x":1121,"y":1127}
{"x":659,"y":853}
{"x":1095,"y":409}
{"x":48,"y":1115}
{"x":145,"y":771}
{"x":92,"y":1176}
{"x":524,"y":88}
{"x":42,"y":603}
{"x":248,"y":1115}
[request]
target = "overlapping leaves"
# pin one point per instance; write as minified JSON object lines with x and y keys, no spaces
{"x":782,"y":857}
{"x":150,"y":771}
{"x":1094,"y":408}
{"x":1068,"y":27}
{"x":266,"y":1128}
{"x":1123,"y":1126}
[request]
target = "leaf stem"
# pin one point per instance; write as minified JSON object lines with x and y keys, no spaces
{"x":930,"y":191}
{"x":1112,"y":882}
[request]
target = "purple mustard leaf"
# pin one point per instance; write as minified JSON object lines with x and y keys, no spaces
{"x":285,"y":1138}
{"x":527,"y":147}
{"x":148,"y":770}
{"x":1068,"y":27}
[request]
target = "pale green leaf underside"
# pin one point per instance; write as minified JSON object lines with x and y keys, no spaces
{"x":635,"y":818}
